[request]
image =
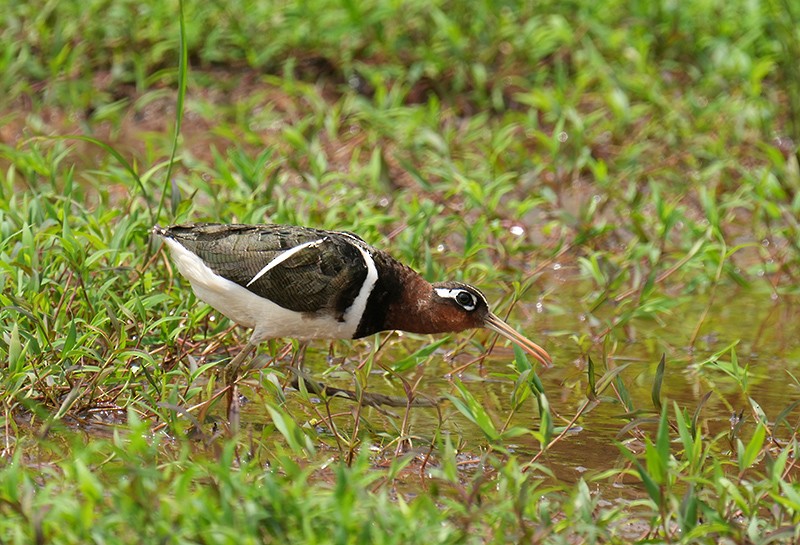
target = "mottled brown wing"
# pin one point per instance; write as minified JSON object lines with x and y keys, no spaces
{"x":324,"y":276}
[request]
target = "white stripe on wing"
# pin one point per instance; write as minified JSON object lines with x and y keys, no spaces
{"x":284,"y":256}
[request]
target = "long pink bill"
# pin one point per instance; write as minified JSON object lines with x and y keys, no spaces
{"x":496,"y":324}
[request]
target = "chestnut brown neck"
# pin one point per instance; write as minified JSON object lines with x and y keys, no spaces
{"x":400,"y":300}
{"x":403,"y":300}
{"x":413,"y":311}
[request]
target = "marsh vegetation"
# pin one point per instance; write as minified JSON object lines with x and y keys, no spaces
{"x":620,"y":178}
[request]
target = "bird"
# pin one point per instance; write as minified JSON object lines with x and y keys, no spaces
{"x":307,"y":283}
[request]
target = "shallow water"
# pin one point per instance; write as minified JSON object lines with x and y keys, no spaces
{"x":765,"y":327}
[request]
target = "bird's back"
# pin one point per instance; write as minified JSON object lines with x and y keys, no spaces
{"x":316,"y":273}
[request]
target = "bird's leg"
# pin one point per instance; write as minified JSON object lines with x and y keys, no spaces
{"x":231,"y":370}
{"x":231,"y":374}
{"x":331,"y":354}
{"x":296,"y":365}
{"x":299,"y":356}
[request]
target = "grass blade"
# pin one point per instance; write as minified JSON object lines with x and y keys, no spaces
{"x":650,"y":485}
{"x":696,"y":415}
{"x":183,"y":71}
{"x":656,"y":392}
{"x":592,"y":389}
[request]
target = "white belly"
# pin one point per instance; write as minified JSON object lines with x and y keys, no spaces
{"x":244,"y":307}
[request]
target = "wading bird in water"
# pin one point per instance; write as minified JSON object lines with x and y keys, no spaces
{"x":304,"y":283}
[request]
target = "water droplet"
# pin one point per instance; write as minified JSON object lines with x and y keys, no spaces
{"x":212,"y":318}
{"x":765,"y":242}
{"x":441,"y":248}
{"x":562,"y":136}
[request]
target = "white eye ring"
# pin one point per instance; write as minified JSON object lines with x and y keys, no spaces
{"x":458,"y":296}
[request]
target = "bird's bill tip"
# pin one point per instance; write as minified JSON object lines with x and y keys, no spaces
{"x":496,"y":324}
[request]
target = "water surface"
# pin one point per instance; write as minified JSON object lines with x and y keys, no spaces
{"x":765,"y":328}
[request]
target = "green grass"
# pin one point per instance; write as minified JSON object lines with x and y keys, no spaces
{"x":617,"y":176}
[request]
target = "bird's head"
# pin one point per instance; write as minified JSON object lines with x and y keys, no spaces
{"x":456,"y":306}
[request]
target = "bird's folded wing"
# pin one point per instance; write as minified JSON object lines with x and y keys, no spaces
{"x":300,"y":269}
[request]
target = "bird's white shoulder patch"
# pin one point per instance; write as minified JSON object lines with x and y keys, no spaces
{"x":352,"y":315}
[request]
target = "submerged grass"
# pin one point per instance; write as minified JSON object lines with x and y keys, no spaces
{"x":640,"y":155}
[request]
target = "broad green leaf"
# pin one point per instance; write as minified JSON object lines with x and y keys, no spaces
{"x":69,"y":340}
{"x":749,"y":454}
{"x":684,"y":431}
{"x":761,"y":416}
{"x":624,"y":394}
{"x":521,"y":360}
{"x":15,"y":362}
{"x":654,"y":463}
{"x":295,"y":437}
{"x":412,"y":360}
{"x":522,"y":389}
{"x":546,"y":420}
{"x":474,"y":412}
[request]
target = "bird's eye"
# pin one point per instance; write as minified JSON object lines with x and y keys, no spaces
{"x":463,"y":298}
{"x":466,"y":300}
